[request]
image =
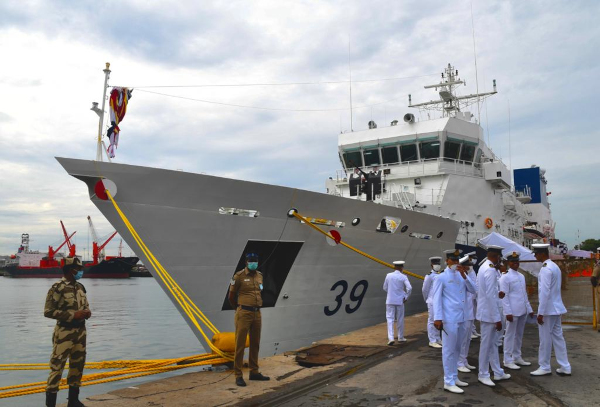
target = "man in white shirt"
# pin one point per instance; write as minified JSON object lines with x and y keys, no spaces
{"x":550,"y":310}
{"x":473,"y":276}
{"x":516,"y":307}
{"x":435,"y":340}
{"x":398,"y":290}
{"x":488,"y":314}
{"x":466,"y":267}
{"x":449,"y":308}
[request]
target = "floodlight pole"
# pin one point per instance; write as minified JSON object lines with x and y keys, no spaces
{"x":101,"y":120}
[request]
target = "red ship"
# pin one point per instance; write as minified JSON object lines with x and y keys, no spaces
{"x":34,"y":264}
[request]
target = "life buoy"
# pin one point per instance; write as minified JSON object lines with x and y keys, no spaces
{"x":489,"y":223}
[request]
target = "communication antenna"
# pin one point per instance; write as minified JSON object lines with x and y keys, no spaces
{"x":350,"y":84}
{"x":100,"y":114}
{"x":475,"y":56}
{"x":509,"y":149}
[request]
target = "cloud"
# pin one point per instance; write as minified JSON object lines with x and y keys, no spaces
{"x":543,"y":56}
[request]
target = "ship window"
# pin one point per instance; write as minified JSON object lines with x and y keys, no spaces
{"x":429,"y":150}
{"x":353,"y":159}
{"x":371,"y":157}
{"x":408,"y":152}
{"x":390,"y":155}
{"x":467,"y":153}
{"x":451,"y":150}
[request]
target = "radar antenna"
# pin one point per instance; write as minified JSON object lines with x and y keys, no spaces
{"x":450,"y":104}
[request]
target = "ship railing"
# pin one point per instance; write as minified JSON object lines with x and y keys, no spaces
{"x":432,"y":166}
{"x":413,"y":197}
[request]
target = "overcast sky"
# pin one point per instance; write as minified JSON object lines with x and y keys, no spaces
{"x":543,"y":54}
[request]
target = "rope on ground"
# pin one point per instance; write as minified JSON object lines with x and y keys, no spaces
{"x":354,"y":249}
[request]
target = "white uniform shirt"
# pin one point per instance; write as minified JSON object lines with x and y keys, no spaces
{"x":450,"y":296}
{"x":549,"y":283}
{"x":471,"y":297}
{"x":488,"y":304}
{"x":428,"y":286}
{"x":398,"y":288}
{"x":515,"y":301}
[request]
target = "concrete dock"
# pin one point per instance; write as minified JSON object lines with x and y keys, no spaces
{"x":408,"y":374}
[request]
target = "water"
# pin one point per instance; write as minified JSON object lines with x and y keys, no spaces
{"x":131,"y":319}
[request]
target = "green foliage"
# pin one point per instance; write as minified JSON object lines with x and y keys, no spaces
{"x":590,"y":244}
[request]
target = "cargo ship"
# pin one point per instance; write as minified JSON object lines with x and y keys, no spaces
{"x":36,"y":264}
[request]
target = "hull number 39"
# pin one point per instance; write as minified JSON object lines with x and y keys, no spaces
{"x":357,"y":294}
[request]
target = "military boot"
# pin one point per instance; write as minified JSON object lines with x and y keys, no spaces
{"x":51,"y":399}
{"x":74,"y":397}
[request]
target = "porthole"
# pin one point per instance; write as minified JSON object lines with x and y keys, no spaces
{"x":355,"y":221}
{"x":440,"y":234}
{"x":404,"y":228}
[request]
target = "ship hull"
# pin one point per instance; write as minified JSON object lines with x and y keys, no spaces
{"x":113,"y":268}
{"x":315,"y":290}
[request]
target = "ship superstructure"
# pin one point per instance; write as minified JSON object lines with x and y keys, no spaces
{"x":443,"y":167}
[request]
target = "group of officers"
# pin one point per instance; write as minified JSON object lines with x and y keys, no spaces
{"x":497,"y":297}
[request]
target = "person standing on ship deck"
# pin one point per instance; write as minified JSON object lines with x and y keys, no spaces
{"x":435,"y":340}
{"x":67,"y":303}
{"x":473,"y":275}
{"x":550,"y":311}
{"x":516,"y":307}
{"x":398,"y":289}
{"x":245,"y":296}
{"x":488,"y":314}
{"x":595,"y":279}
{"x":449,"y":308}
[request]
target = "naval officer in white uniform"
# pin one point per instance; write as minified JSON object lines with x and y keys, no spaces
{"x":465,"y":266}
{"x":449,"y":308}
{"x":473,"y":275}
{"x":488,"y":314}
{"x":398,"y":290}
{"x":516,"y":307}
{"x":550,"y":310}
{"x":435,"y":340}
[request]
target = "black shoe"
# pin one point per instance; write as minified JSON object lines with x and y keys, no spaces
{"x":74,"y":397}
{"x":51,"y":399}
{"x":259,"y":376}
{"x":240,"y":381}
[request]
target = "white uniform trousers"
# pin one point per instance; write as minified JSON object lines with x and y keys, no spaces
{"x":551,"y":334}
{"x":453,"y":338}
{"x":432,"y":332}
{"x":473,"y":327}
{"x":488,"y":351}
{"x":466,"y":344}
{"x":500,"y":333}
{"x":513,"y":339}
{"x":394,"y":313}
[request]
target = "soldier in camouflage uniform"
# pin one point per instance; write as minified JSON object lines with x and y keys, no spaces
{"x":67,"y":303}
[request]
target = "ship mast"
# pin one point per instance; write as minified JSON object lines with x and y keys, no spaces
{"x":100,"y":112}
{"x":450,"y":104}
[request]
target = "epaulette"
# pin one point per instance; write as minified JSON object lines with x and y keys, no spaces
{"x":259,"y":272}
{"x":545,"y":265}
{"x":56,"y":285}
{"x":491,"y":265}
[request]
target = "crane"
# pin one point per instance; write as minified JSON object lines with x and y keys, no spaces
{"x":97,"y":247}
{"x":50,"y":261}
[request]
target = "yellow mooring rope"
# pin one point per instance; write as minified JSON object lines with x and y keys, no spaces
{"x":368,"y":256}
{"x":129,"y":369}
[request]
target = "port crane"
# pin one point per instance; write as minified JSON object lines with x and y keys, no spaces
{"x":97,"y":247}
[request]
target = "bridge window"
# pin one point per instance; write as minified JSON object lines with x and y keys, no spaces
{"x":429,"y":150}
{"x":467,"y":152}
{"x":408,"y":152}
{"x":353,"y":159}
{"x":451,"y":150}
{"x":371,"y":157}
{"x":478,"y":158}
{"x":390,"y":155}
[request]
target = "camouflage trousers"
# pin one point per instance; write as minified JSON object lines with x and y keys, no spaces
{"x":69,"y":343}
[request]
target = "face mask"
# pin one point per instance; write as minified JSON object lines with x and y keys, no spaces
{"x":453,"y":267}
{"x":78,"y":275}
{"x":252,"y":265}
{"x":437,"y":267}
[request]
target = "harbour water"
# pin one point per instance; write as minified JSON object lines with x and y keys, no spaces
{"x":131,"y":319}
